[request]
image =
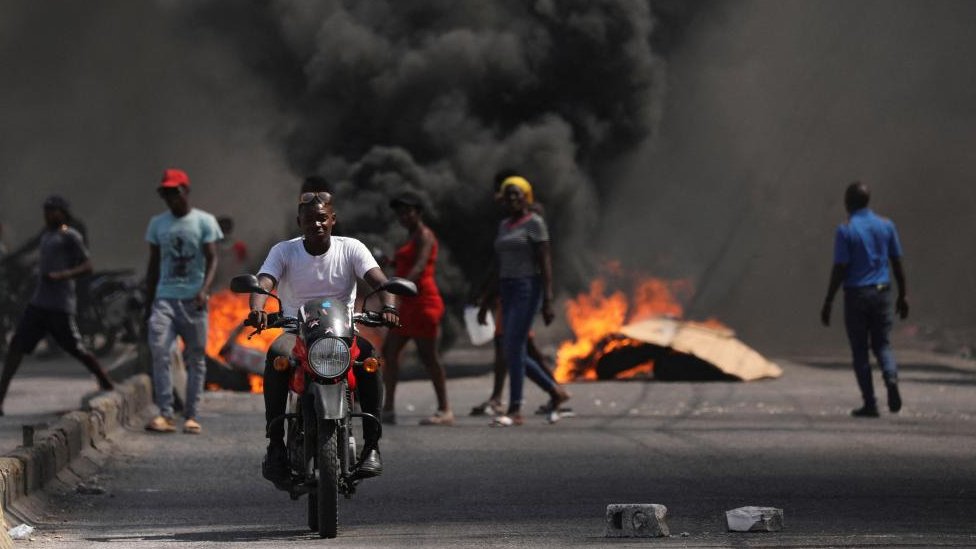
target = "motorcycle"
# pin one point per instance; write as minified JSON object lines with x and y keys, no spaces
{"x":319,"y":437}
{"x":110,"y":305}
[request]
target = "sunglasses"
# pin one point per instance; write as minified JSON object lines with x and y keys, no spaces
{"x":322,"y":196}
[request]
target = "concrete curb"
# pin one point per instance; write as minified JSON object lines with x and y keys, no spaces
{"x":27,"y":470}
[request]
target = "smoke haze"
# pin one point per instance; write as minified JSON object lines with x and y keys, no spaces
{"x":99,"y":97}
{"x":773,"y":108}
{"x":710,"y":142}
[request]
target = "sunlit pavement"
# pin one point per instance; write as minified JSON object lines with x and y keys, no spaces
{"x":698,"y":448}
{"x":46,"y":386}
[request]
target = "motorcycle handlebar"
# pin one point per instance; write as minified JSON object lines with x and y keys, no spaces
{"x":275,"y":320}
{"x":372,"y":319}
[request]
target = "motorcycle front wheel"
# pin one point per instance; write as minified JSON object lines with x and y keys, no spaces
{"x":310,"y":447}
{"x":328,"y":486}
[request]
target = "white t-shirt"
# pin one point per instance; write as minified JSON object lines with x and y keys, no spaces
{"x":302,"y":276}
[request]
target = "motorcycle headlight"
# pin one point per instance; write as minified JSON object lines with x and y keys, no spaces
{"x":329,"y":357}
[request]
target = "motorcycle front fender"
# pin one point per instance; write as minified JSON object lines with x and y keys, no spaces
{"x":330,"y":400}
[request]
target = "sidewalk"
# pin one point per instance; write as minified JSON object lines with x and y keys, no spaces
{"x":47,"y":388}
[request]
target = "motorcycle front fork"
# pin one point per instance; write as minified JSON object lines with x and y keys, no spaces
{"x":296,"y":447}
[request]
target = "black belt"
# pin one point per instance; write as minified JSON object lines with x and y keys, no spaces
{"x":876,"y":287}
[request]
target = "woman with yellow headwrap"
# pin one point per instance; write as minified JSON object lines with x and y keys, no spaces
{"x":523,"y":268}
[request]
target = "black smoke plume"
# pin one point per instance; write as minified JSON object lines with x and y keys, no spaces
{"x":435,"y":97}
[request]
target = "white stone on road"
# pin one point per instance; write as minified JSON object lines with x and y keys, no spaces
{"x":755,"y":519}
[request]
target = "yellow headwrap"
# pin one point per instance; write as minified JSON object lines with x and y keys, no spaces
{"x":520,"y":182}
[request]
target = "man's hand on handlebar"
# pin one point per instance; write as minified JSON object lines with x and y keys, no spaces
{"x":257,"y":319}
{"x":391,"y":316}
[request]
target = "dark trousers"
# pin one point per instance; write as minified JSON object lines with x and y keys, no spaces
{"x":868,"y":317}
{"x":369,"y":389}
{"x":34,"y":324}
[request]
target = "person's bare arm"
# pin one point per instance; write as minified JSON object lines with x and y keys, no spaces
{"x":544,"y":257}
{"x":425,"y":246}
{"x":257,"y":317}
{"x":489,"y":292}
{"x":152,"y":277}
{"x":376,"y":278}
{"x":901,"y":304}
{"x":210,"y":255}
{"x":72,"y":272}
{"x":837,"y":275}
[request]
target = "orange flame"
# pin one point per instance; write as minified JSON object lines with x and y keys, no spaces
{"x":596,"y":318}
{"x":257,"y":383}
{"x":227,"y":311}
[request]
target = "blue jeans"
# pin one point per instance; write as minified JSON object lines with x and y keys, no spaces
{"x":521,"y":298}
{"x":171,"y":318}
{"x":868,"y":317}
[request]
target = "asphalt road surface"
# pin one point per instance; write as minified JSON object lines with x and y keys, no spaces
{"x":698,"y":448}
{"x":46,"y":386}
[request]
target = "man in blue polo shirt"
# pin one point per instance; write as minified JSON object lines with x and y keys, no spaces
{"x":863,"y":248}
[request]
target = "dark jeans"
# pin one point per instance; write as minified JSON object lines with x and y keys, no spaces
{"x":521,"y":298}
{"x":34,"y":324}
{"x":868,"y":317}
{"x":369,"y":389}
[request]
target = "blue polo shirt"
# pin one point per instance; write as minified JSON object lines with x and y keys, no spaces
{"x":865,"y":244}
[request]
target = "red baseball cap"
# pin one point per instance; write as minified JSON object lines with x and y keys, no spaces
{"x":173,"y":178}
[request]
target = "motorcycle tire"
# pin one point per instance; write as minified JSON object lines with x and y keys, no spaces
{"x":328,"y":486}
{"x":310,"y":447}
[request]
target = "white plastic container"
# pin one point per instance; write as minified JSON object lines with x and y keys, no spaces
{"x":479,"y":333}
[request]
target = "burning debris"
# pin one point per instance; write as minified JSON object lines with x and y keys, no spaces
{"x":655,"y":344}
{"x":235,"y":362}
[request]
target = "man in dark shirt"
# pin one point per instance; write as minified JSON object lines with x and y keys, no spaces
{"x":63,"y":257}
{"x":863,"y":248}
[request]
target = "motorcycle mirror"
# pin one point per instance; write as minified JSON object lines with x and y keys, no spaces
{"x":399,"y":286}
{"x":246,"y":284}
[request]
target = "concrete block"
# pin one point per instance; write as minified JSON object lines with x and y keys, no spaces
{"x":5,"y":541}
{"x":11,"y":479}
{"x":79,"y":436}
{"x":637,"y":520}
{"x":26,"y":470}
{"x":755,"y":519}
{"x":122,"y":407}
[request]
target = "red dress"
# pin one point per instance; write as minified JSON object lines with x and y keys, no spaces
{"x":420,"y":316}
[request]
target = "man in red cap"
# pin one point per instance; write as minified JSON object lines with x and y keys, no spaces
{"x":182,"y":263}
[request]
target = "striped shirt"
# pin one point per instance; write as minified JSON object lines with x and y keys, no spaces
{"x":515,"y":246}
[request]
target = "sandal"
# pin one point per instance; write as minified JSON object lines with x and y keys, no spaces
{"x":191,"y":427}
{"x":161,"y":424}
{"x":439,"y":418}
{"x":488,"y":408}
{"x":507,"y":421}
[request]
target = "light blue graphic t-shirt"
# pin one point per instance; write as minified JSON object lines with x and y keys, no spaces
{"x":182,"y":266}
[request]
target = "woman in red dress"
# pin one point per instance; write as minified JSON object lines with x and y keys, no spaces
{"x":420,"y":316}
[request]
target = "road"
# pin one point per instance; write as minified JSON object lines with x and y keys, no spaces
{"x":698,"y":448}
{"x":47,"y":386}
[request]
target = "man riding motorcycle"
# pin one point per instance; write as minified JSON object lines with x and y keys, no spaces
{"x":314,"y":265}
